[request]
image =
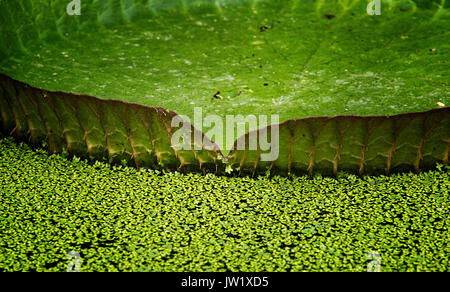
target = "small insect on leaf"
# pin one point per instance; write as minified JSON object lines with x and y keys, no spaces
{"x":264,"y":28}
{"x":217,"y":95}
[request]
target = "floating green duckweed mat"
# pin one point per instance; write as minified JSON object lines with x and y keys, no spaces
{"x":124,"y":219}
{"x":353,"y":92}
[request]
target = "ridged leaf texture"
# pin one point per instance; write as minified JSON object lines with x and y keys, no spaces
{"x":104,"y":130}
{"x":141,"y":136}
{"x":360,"y":145}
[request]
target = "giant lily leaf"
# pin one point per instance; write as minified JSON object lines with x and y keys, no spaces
{"x":297,"y":59}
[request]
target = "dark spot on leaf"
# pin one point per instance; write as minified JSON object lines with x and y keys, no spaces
{"x":217,"y":95}
{"x":264,"y":28}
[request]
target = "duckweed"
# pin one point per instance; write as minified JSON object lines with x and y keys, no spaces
{"x":123,"y":219}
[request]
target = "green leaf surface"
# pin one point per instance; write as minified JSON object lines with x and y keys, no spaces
{"x":360,"y":145}
{"x":295,"y":58}
{"x":104,"y":130}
